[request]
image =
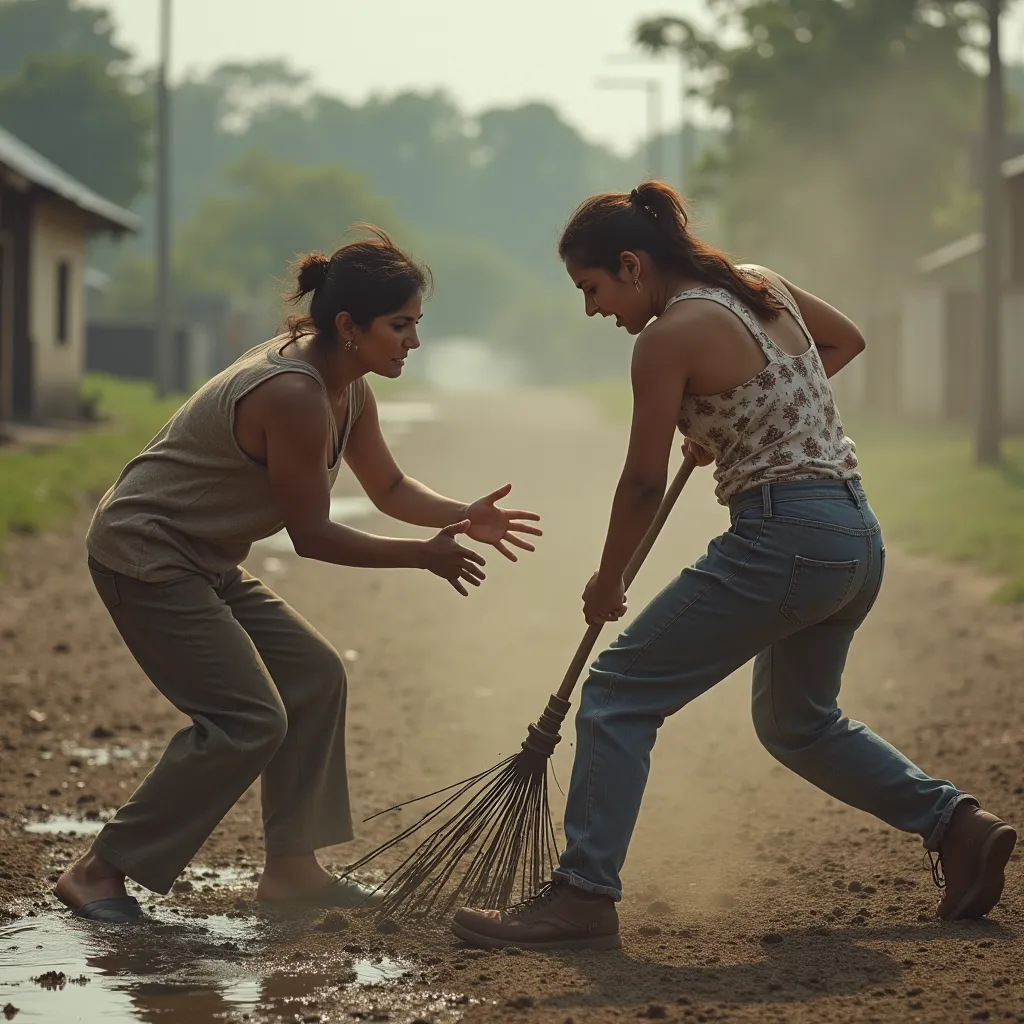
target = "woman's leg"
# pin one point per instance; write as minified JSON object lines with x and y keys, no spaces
{"x":305,"y":785}
{"x":187,"y":641}
{"x":703,"y":626}
{"x":798,"y":719}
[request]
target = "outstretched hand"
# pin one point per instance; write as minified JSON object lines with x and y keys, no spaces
{"x":501,"y":527}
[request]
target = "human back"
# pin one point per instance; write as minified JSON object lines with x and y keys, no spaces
{"x":727,"y":349}
{"x":194,"y":500}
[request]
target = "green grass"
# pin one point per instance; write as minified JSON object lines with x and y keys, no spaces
{"x":929,"y":494}
{"x":41,"y":488}
{"x":932,"y":497}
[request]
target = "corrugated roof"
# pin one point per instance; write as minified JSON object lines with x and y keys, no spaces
{"x":43,"y":173}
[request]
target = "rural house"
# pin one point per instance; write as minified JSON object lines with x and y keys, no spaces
{"x":46,"y":217}
{"x":923,"y":356}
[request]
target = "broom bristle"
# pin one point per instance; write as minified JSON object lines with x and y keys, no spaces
{"x":496,"y":846}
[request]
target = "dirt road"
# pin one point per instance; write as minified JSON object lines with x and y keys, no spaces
{"x":749,"y":896}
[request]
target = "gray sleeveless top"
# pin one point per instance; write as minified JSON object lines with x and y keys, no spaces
{"x":193,"y":501}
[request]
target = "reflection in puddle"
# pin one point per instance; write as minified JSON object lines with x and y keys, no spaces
{"x":55,"y":968}
{"x":98,"y":756}
{"x":60,"y":824}
{"x":227,"y":878}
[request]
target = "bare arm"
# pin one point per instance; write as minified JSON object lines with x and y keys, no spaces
{"x":407,"y":500}
{"x":295,"y":421}
{"x":659,"y":380}
{"x":391,"y":491}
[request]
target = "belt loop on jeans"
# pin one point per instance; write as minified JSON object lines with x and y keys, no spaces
{"x":851,"y":486}
{"x":766,"y":500}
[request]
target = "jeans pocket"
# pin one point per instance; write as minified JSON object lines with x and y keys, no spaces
{"x":105,"y":583}
{"x":878,"y":584}
{"x":817,"y":590}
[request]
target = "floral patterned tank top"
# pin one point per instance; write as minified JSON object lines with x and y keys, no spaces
{"x":778,"y":427}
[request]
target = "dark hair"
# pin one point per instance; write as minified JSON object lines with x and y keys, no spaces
{"x":366,"y":279}
{"x":653,"y":219}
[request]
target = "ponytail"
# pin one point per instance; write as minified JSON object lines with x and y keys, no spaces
{"x":653,"y":219}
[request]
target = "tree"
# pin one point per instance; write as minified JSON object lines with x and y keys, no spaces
{"x":242,"y":242}
{"x":847,"y":125}
{"x":33,"y":27}
{"x":85,"y":119}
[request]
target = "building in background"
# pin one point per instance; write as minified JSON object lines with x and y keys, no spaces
{"x":923,"y":355}
{"x":46,"y":218}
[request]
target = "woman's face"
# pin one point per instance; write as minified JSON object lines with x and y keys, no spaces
{"x":614,"y":295}
{"x":382,"y":347}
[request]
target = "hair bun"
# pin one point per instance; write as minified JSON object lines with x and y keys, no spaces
{"x":313,"y":270}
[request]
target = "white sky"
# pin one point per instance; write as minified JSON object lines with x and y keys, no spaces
{"x":484,"y":52}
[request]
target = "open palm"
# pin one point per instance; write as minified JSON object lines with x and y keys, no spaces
{"x":501,"y":527}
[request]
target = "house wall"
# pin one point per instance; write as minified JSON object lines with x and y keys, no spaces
{"x":1012,"y":370}
{"x":922,"y":362}
{"x":15,"y":345}
{"x":58,"y":237}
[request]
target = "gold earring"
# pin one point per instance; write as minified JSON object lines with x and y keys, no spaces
{"x":636,"y":283}
{"x":349,"y":346}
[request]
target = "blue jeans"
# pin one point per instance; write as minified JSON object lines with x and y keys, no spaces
{"x":787,"y":585}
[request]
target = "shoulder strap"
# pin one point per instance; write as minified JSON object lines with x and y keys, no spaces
{"x":735,"y":306}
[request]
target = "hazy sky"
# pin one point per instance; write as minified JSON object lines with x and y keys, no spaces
{"x":484,"y":52}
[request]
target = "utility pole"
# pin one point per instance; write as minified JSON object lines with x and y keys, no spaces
{"x":989,"y":411}
{"x":164,"y":362}
{"x":652,"y":90}
{"x":685,"y":156}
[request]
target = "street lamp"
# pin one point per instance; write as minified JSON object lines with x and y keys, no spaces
{"x":685,"y":156}
{"x":652,"y":89}
{"x":164,"y":362}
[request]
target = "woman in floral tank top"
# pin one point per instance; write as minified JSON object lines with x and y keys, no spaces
{"x":739,"y":360}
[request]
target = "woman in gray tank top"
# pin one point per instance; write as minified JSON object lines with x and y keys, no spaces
{"x":738,"y":359}
{"x":255,"y":450}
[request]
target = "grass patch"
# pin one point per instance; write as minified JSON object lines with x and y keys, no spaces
{"x":41,"y":488}
{"x":934,"y":499}
{"x":929,"y":494}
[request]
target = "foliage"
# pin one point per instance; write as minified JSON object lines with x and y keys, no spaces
{"x":847,"y":125}
{"x":41,"y":488}
{"x":241,"y":241}
{"x":86,"y":120}
{"x":55,"y":27}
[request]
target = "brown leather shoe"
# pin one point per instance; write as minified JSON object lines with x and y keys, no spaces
{"x":972,"y":856}
{"x":560,"y":916}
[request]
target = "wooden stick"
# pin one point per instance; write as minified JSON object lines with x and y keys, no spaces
{"x":586,"y":647}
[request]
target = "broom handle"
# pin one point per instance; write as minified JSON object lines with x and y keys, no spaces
{"x":586,"y":647}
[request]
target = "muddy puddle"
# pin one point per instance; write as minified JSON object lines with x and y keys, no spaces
{"x":191,"y":971}
{"x":60,"y":824}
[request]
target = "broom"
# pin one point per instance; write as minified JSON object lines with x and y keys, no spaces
{"x":497,"y":842}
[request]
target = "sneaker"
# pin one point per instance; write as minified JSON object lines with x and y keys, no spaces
{"x":972,"y":855}
{"x":560,"y":916}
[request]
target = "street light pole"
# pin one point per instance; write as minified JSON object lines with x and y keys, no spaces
{"x":685,"y":157}
{"x":652,"y":91}
{"x":989,"y":412}
{"x":164,"y":331}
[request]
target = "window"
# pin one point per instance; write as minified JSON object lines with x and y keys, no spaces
{"x":63,"y":302}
